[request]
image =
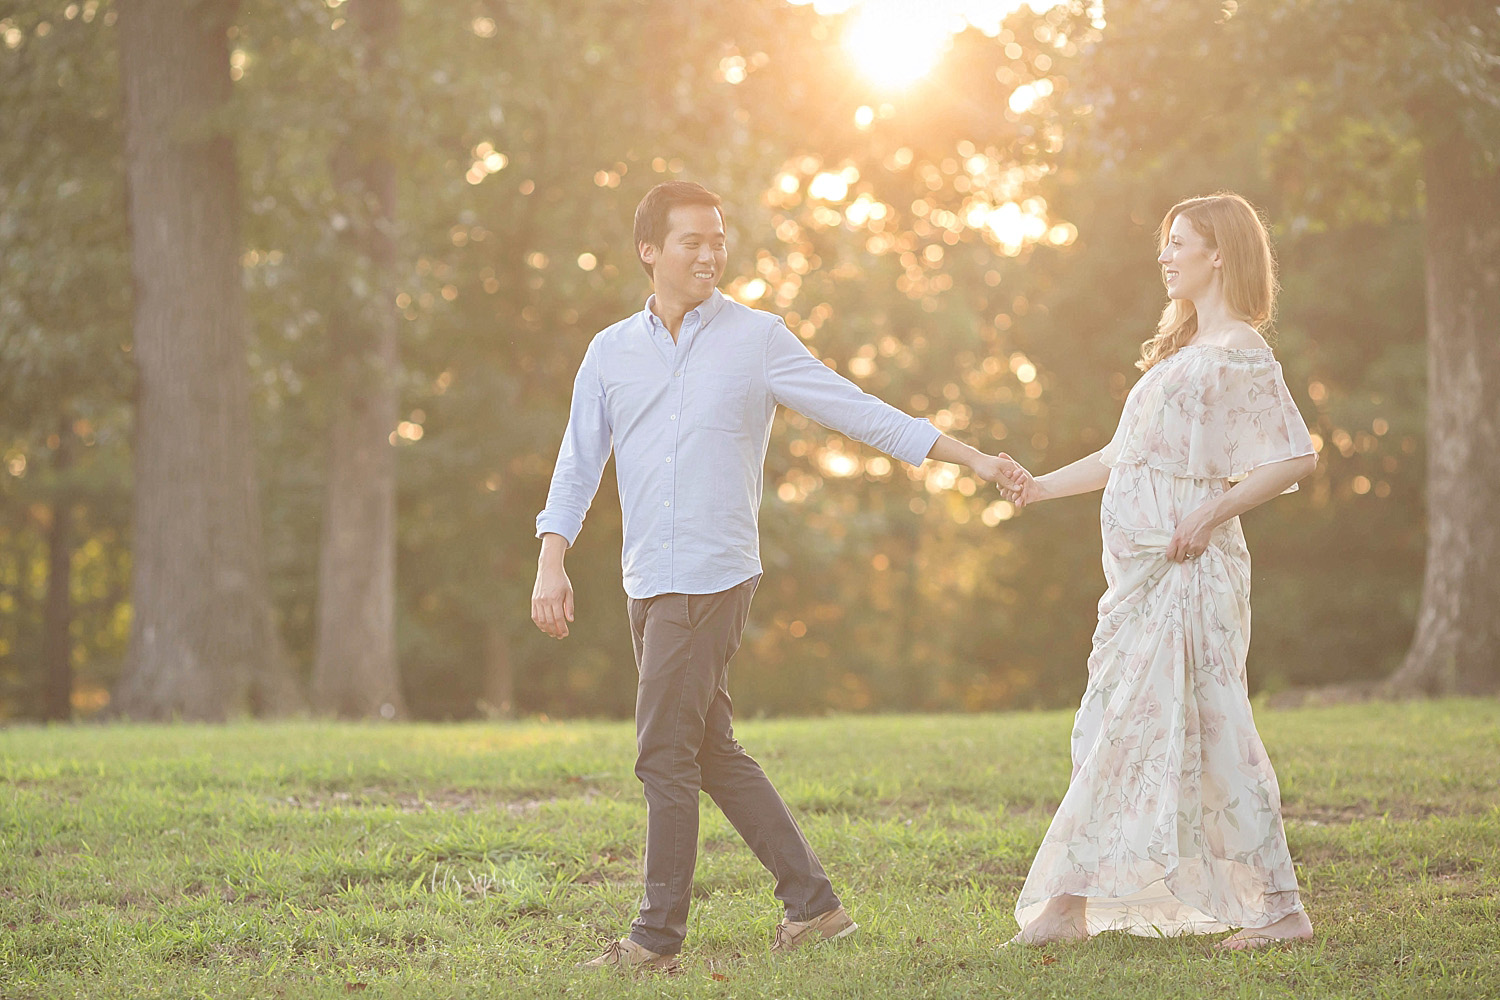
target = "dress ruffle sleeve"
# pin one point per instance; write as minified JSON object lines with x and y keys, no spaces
{"x":1210,"y":413}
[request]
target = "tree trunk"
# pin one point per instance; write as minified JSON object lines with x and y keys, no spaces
{"x":202,"y":644}
{"x":912,"y":677}
{"x":1457,"y":645}
{"x":499,"y":698}
{"x":355,"y":672}
{"x":57,"y":613}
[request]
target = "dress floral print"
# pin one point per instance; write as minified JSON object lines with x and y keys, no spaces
{"x":1172,"y":822}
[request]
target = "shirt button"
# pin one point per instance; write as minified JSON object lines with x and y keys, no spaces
{"x":666,"y":503}
{"x":669,"y":459}
{"x":673,"y":417}
{"x":677,"y":374}
{"x":663,"y":544}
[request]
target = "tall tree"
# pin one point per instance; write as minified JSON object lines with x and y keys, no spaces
{"x":1457,"y":646}
{"x":1424,"y":81}
{"x":355,"y":671}
{"x":57,"y":644}
{"x":203,"y":644}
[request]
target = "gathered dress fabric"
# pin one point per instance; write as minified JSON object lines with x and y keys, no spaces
{"x":1172,"y":821}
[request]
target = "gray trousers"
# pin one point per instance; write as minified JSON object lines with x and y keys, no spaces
{"x":685,"y":742}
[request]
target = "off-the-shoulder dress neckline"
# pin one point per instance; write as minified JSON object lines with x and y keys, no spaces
{"x":1246,"y":353}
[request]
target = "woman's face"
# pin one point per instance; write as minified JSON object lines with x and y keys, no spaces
{"x":1188,"y":263}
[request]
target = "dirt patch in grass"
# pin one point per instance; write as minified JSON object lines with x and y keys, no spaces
{"x":1320,"y":814}
{"x":1009,"y":868}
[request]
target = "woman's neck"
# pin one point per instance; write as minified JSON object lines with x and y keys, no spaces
{"x":1215,"y":318}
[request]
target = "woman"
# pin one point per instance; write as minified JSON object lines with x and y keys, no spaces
{"x":1172,"y":821}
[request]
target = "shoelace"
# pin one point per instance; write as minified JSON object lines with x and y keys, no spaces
{"x":786,"y":937}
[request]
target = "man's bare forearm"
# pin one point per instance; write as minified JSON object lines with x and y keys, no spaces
{"x":991,"y":468}
{"x":554,"y":546}
{"x":947,"y":449}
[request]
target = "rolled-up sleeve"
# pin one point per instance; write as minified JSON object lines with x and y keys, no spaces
{"x":803,"y":383}
{"x":586,"y":446}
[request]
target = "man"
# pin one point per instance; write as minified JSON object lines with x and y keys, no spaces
{"x":684,"y":392}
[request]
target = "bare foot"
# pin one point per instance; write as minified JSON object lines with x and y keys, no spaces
{"x":1061,"y":920}
{"x":1292,"y":927}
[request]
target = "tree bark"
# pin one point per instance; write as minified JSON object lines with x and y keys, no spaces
{"x":57,"y":613}
{"x":355,"y":671}
{"x":499,"y":698}
{"x":203,"y":643}
{"x":1456,"y":649}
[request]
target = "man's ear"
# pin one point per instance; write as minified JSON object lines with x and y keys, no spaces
{"x":647,"y":252}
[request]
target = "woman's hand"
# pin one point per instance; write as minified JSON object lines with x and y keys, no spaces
{"x":1190,"y":540}
{"x":1263,"y":483}
{"x":1022,"y":489}
{"x":1083,"y":476}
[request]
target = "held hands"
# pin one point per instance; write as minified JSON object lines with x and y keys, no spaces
{"x":997,"y":469}
{"x":1019,"y":487}
{"x":552,"y":601}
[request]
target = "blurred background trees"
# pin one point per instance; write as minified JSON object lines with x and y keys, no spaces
{"x":65,"y":375}
{"x":953,"y":204}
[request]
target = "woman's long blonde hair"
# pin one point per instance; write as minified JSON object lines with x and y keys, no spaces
{"x":1232,"y":226}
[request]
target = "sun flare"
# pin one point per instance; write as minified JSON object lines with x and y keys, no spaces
{"x":896,"y":43}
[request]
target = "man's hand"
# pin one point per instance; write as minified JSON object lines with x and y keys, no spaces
{"x":997,"y":469}
{"x":1020,"y":487}
{"x":552,"y":597}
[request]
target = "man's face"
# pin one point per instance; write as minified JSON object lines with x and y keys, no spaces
{"x":691,"y":259}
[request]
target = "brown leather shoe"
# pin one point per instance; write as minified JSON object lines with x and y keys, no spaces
{"x":830,"y":926}
{"x":626,"y":956}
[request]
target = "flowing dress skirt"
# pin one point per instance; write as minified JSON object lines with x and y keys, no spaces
{"x":1172,"y":822}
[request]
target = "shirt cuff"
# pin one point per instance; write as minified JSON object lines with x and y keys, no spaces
{"x":555,"y":523}
{"x":917,"y":440}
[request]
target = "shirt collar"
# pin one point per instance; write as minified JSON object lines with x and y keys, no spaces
{"x":706,"y":310}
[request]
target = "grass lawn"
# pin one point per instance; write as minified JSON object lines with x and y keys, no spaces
{"x":409,"y":861}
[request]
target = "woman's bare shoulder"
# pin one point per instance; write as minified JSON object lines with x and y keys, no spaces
{"x":1244,"y":337}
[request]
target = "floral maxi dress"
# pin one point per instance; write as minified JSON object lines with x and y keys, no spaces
{"x":1172,"y":821}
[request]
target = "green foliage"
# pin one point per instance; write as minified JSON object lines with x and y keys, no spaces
{"x":1342,"y":92}
{"x":65,"y":376}
{"x":483,"y":859}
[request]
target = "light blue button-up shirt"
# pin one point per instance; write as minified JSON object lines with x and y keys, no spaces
{"x":689,"y":423}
